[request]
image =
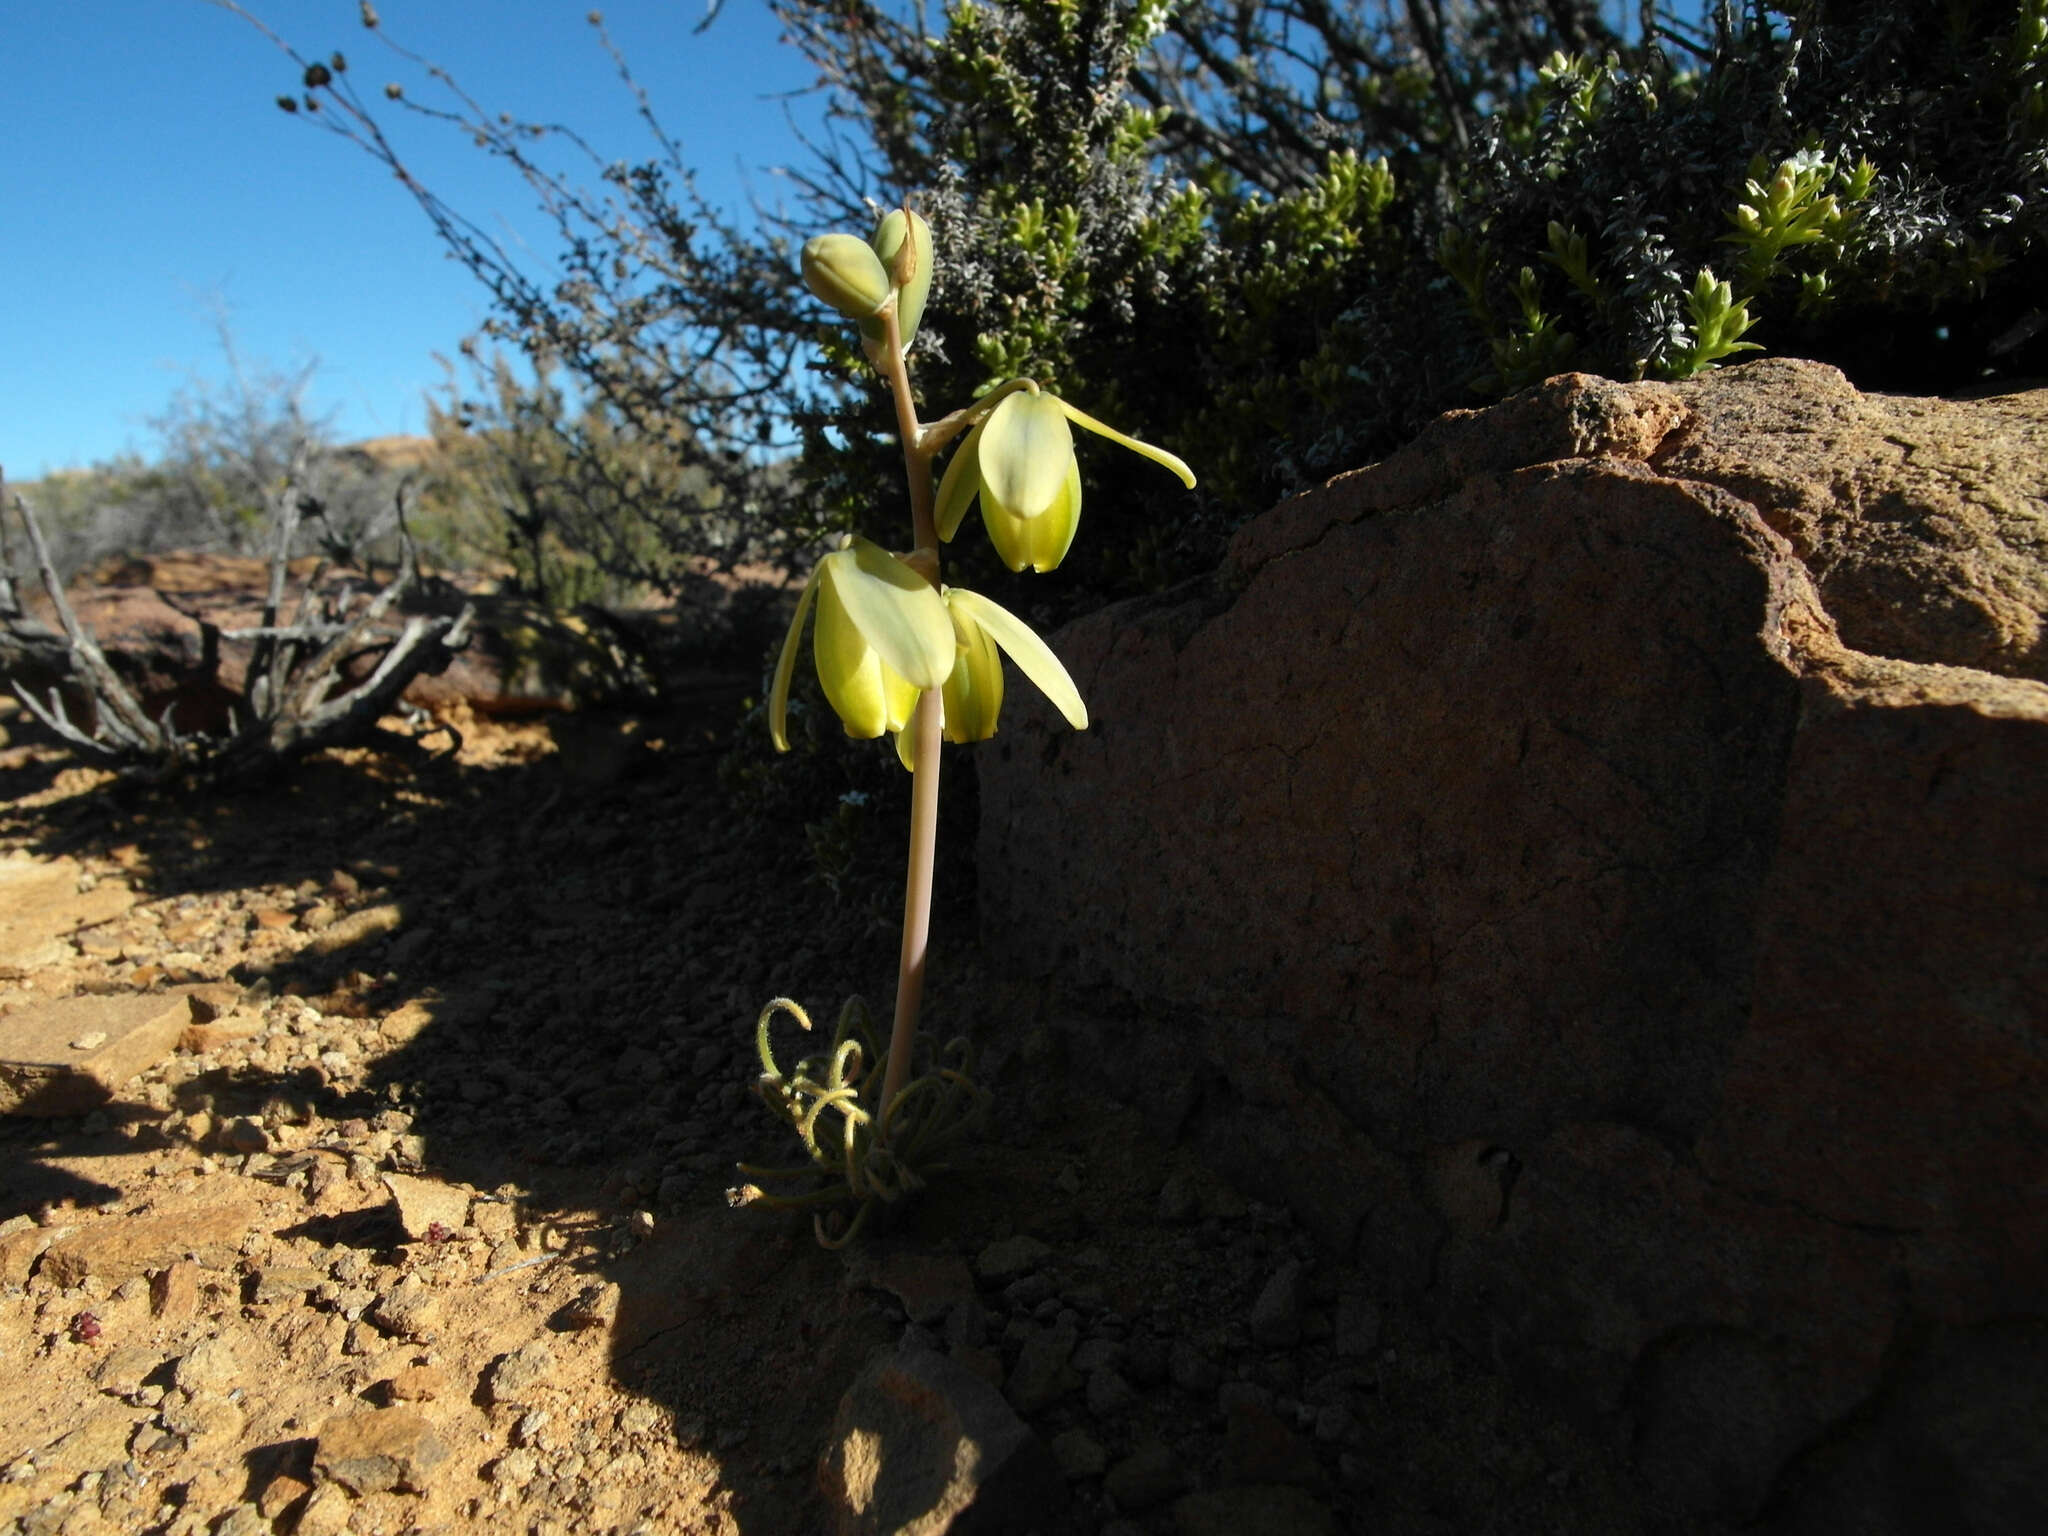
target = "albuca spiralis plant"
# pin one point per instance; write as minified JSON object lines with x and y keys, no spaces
{"x":899,"y":652}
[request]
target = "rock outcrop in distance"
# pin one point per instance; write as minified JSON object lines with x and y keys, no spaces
{"x":1594,"y":864}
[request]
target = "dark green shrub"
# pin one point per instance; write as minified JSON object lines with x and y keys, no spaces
{"x":1280,"y":236}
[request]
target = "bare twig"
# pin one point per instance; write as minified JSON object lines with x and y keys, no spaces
{"x":10,"y":600}
{"x":296,"y":698}
{"x":121,"y":728}
{"x":268,"y":665}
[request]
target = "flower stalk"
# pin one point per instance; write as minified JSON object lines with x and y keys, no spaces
{"x":924,"y":773}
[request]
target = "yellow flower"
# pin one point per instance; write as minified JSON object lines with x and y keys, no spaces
{"x":884,"y":635}
{"x":973,"y":691}
{"x":1020,"y":461}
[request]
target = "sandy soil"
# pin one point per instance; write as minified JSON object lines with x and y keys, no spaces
{"x":429,"y":1229}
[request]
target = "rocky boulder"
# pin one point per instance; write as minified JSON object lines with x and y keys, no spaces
{"x":1595,"y":863}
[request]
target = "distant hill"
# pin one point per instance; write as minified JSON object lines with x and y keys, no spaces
{"x":396,"y":450}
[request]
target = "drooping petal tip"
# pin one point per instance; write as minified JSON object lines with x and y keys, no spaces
{"x":785,"y":666}
{"x":1151,"y":451}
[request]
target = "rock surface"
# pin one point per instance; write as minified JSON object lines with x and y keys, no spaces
{"x":1596,"y":862}
{"x":923,"y":1446}
{"x":70,"y":1056}
{"x":427,"y":1204}
{"x":378,"y":1448}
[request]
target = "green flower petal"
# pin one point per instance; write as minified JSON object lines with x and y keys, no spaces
{"x":910,"y":297}
{"x":959,"y":485}
{"x":845,"y":272}
{"x":1033,"y":656}
{"x":1026,"y":451}
{"x":896,"y":610}
{"x":785,"y":666}
{"x":1103,"y":429}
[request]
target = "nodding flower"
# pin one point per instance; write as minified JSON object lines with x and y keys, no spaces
{"x":1019,"y":460}
{"x":884,"y":636}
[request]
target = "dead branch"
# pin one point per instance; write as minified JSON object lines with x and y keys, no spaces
{"x":267,"y":666}
{"x":121,"y":729}
{"x":315,"y":708}
{"x":10,"y":600}
{"x":27,"y":647}
{"x":296,"y":698}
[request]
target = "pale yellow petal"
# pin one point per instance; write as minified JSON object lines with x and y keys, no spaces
{"x":974,"y":693}
{"x":1037,"y":543}
{"x":1033,"y":656}
{"x":896,"y":610}
{"x":1011,"y":536}
{"x":899,"y":697}
{"x":960,"y":483}
{"x":848,"y":668}
{"x":1025,"y":452}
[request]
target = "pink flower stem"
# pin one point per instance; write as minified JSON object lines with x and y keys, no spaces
{"x":924,"y":782}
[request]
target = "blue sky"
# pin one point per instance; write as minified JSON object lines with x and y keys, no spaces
{"x":147,"y":179}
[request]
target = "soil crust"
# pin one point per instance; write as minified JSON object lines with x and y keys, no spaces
{"x":422,"y":1223}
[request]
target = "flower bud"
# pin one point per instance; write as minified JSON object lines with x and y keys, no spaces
{"x":845,"y":272}
{"x":910,"y":268}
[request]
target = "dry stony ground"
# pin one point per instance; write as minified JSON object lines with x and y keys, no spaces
{"x":428,"y":1228}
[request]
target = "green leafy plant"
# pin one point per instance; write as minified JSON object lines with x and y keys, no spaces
{"x":898,"y":652}
{"x":1792,"y":209}
{"x":1718,"y":321}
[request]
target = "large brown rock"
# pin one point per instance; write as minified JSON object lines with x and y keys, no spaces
{"x":374,"y":1449}
{"x":118,"y":1248}
{"x":1597,"y":862}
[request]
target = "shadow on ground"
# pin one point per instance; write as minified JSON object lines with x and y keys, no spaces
{"x":547,"y":972}
{"x":575,"y":946}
